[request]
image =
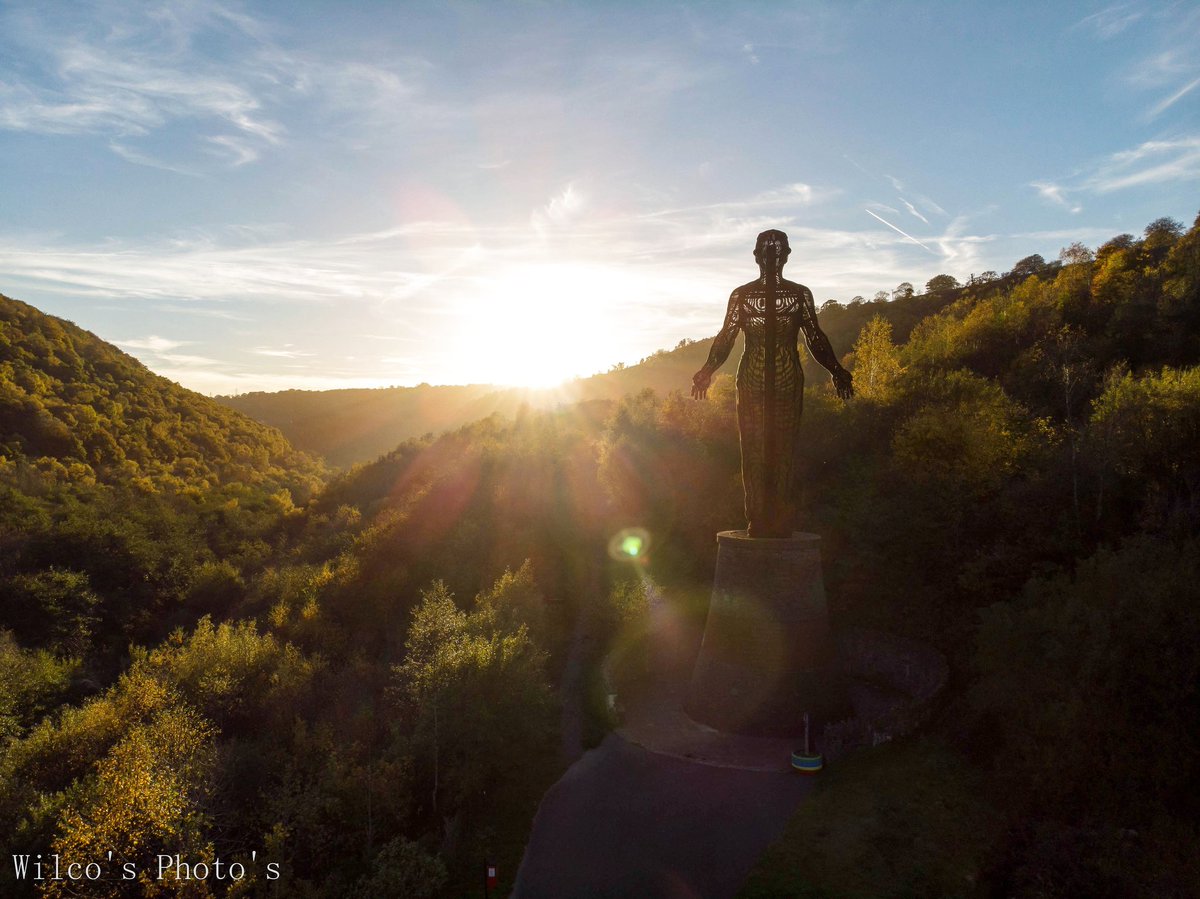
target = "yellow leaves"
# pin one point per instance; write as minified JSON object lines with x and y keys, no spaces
{"x":515,"y":599}
{"x":146,"y":796}
{"x":876,"y":360}
{"x":969,"y":438}
{"x":1149,"y":425}
{"x":227,"y":669}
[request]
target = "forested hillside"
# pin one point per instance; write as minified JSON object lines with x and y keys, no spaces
{"x":127,"y":503}
{"x":68,"y":397}
{"x":361,"y":686}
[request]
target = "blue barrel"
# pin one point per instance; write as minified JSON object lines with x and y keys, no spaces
{"x":806,"y":763}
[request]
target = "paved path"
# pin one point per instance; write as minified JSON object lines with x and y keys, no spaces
{"x":624,"y":821}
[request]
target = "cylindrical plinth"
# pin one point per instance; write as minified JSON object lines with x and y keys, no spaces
{"x":767,"y":656}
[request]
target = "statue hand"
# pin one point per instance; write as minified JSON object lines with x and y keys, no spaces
{"x":700,"y":382}
{"x":844,"y":385}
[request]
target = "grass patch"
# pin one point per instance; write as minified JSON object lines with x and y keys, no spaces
{"x":896,"y":821}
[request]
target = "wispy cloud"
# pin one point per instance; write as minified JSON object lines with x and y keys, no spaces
{"x":281,"y":353}
{"x":236,"y":150}
{"x":913,"y":210}
{"x":130,"y":74}
{"x":153,"y":343}
{"x":138,"y":158}
{"x":159,"y":355}
{"x":1170,"y":71}
{"x":203,"y":311}
{"x":1107,"y":23}
{"x":901,"y":188}
{"x":1056,"y":194}
{"x":1162,"y":68}
{"x":141,"y":74}
{"x":776,"y":200}
{"x":562,"y":208}
{"x":1153,"y":162}
{"x":962,"y":251}
{"x":182,"y":360}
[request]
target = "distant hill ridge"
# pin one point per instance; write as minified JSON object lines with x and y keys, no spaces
{"x":357,"y":425}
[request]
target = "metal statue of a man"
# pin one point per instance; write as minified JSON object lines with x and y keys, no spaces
{"x":771,"y":312}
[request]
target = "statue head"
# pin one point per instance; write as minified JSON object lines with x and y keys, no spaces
{"x":772,"y":249}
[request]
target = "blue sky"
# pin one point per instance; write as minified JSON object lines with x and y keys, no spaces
{"x":271,"y":195}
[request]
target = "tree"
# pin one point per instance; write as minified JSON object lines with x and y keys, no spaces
{"x":56,"y":609}
{"x":515,"y":600}
{"x":941,"y":282}
{"x":1180,"y":303}
{"x":1118,"y":243}
{"x":1083,"y":660}
{"x":479,"y":703}
{"x":149,"y":796}
{"x":1166,"y":226}
{"x":903,"y":290}
{"x":404,"y":868}
{"x":1030,"y":265}
{"x":881,"y":296}
{"x":32,"y":682}
{"x":1161,"y":235}
{"x":1076,"y":254}
{"x":876,"y":359}
{"x":1146,"y":429}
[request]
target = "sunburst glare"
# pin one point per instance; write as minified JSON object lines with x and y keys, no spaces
{"x":538,"y":325}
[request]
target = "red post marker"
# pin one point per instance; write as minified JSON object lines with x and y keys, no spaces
{"x":490,"y":878}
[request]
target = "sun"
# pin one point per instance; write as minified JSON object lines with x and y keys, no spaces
{"x":538,"y":325}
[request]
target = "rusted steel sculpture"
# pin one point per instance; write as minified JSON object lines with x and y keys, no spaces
{"x":772,"y":312}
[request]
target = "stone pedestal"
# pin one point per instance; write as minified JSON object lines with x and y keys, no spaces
{"x":768,"y":652}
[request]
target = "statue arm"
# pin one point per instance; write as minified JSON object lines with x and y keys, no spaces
{"x":722,"y":346}
{"x":822,"y":351}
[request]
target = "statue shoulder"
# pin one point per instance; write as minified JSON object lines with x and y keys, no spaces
{"x":800,"y":289}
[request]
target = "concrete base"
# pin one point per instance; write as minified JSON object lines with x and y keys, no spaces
{"x":768,"y":655}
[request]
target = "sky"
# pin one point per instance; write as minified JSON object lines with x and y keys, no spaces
{"x":263,"y":196}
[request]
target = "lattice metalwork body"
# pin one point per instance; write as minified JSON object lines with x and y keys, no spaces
{"x":772,"y":313}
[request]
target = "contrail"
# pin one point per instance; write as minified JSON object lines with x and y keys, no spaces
{"x":901,"y":233}
{"x":1160,"y":107}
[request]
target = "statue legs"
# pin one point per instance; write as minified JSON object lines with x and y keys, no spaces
{"x":777,"y":518}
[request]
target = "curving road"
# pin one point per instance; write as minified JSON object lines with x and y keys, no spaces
{"x":624,"y":821}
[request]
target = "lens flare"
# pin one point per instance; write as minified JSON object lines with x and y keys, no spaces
{"x":629,"y":545}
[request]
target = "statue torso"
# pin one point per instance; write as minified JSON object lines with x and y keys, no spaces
{"x":792,"y":304}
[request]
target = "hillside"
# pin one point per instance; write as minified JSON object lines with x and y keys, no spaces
{"x":128,"y":505}
{"x":69,"y":401}
{"x":351,"y":426}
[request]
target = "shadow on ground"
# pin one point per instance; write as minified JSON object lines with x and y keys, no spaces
{"x":624,"y":821}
